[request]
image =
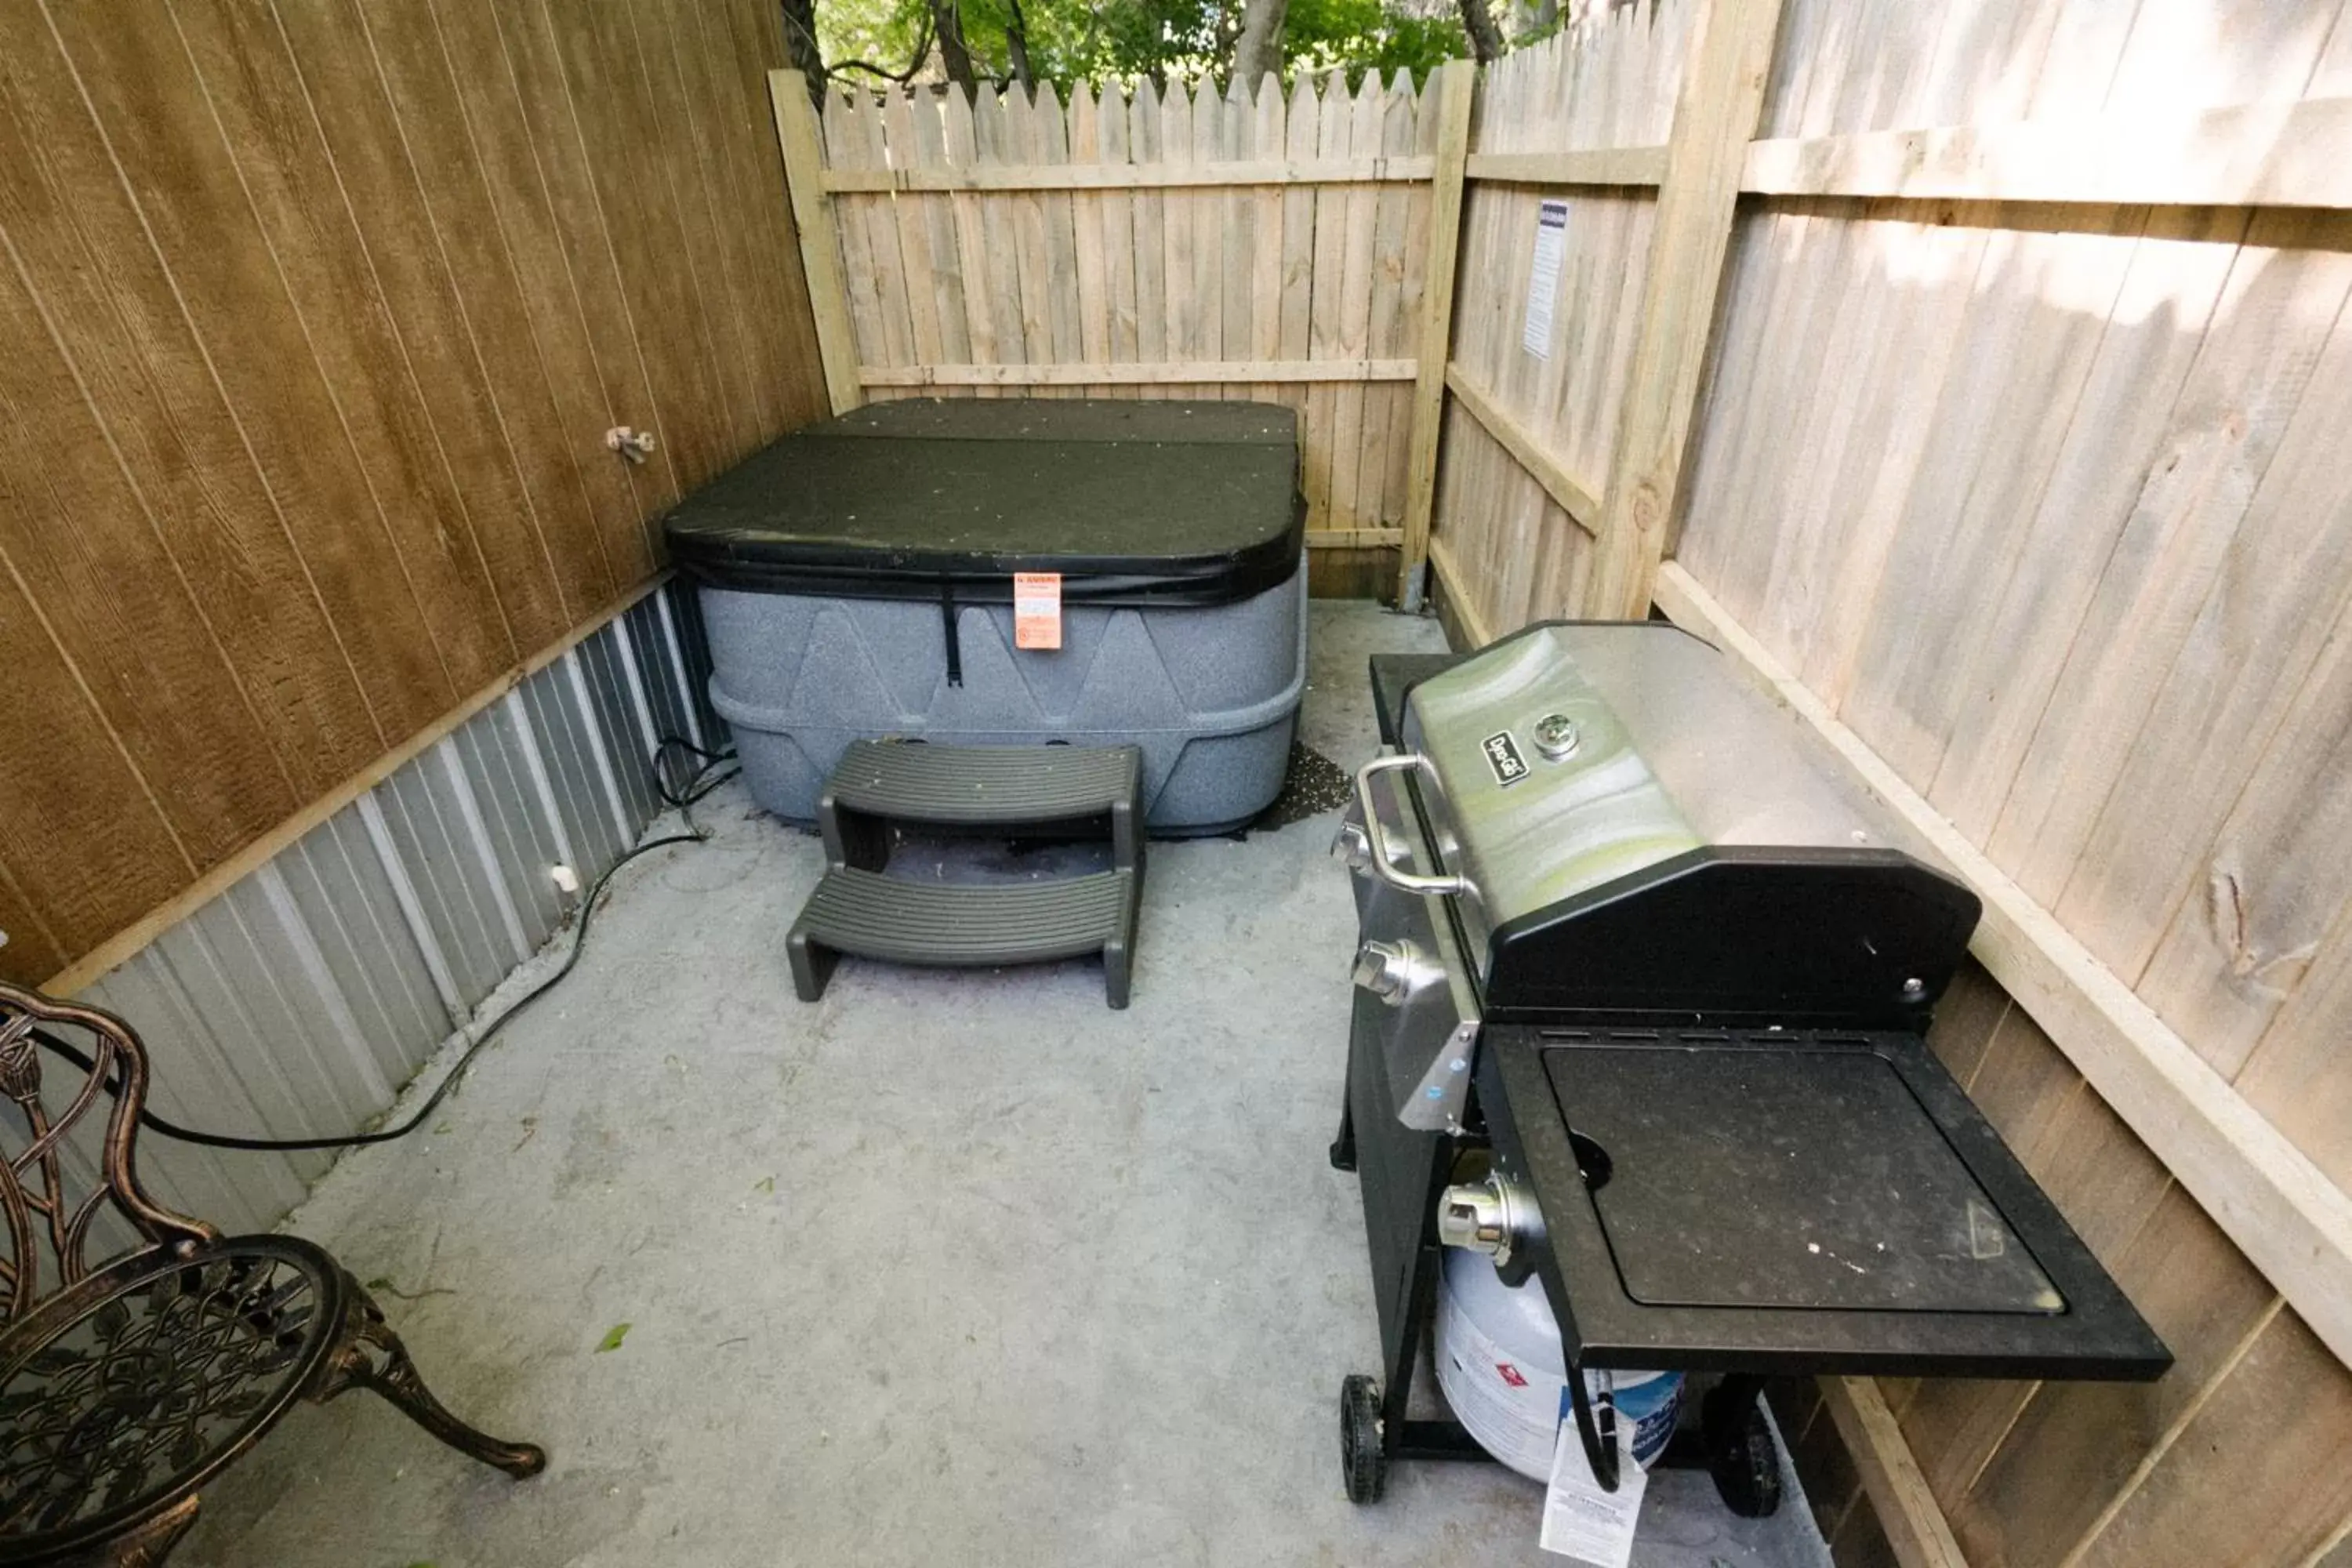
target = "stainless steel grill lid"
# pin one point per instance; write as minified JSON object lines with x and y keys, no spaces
{"x":1634,"y":827}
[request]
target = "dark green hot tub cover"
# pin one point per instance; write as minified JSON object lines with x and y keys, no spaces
{"x":1143,"y":502}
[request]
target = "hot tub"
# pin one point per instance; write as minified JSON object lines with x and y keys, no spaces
{"x":856,"y":579}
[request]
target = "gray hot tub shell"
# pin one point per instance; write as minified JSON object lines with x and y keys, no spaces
{"x":832,"y":563}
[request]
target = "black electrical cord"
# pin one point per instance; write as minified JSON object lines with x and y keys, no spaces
{"x":702,"y":781}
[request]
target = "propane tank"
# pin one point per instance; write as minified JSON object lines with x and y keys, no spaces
{"x":1500,"y":1365}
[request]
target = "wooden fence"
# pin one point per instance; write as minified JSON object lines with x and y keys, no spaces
{"x":313,"y":319}
{"x":1976,"y":371}
{"x":1187,"y":245}
{"x":1986,"y":372}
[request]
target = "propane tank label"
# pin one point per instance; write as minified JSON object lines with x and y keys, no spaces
{"x":1515,"y":1412}
{"x":1508,"y":1412}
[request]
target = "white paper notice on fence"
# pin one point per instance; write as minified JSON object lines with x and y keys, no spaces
{"x":1580,"y":1521}
{"x":1543,"y":278}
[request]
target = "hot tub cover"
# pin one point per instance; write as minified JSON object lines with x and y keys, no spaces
{"x":1132,"y":502}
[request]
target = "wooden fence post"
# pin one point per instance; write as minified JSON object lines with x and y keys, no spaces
{"x":836,"y":340}
{"x":1455,"y":82}
{"x":1716,"y":116}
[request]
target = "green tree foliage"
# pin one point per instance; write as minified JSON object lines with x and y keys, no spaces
{"x":1071,"y":40}
{"x":1357,"y":35}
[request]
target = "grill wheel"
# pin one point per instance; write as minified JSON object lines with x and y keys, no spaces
{"x":1362,"y":1456}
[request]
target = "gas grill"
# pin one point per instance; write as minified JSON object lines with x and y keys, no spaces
{"x":1642,"y":995}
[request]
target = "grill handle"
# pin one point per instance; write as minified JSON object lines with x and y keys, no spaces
{"x":1377,"y":837}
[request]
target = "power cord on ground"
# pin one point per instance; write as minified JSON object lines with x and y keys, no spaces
{"x":699,"y":782}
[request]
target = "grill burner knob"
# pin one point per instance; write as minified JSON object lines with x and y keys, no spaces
{"x":1556,"y":736}
{"x":1392,"y":970}
{"x":1494,"y":1217}
{"x":1352,"y":847}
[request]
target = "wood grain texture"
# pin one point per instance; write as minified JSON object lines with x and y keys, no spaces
{"x":83,"y":834}
{"x":1402,"y":169}
{"x":1593,"y":166}
{"x":803,"y":156}
{"x":1181,"y":241}
{"x":545,"y":273}
{"x":94,"y":961}
{"x":76,"y":241}
{"x":2007,"y":460}
{"x":1574,"y":495}
{"x":165,"y":150}
{"x":1723,"y":92}
{"x":2295,"y":1224}
{"x":1905,"y":1511}
{"x":2051,"y":1474}
{"x":1435,"y":335}
{"x":2260,"y":1473}
{"x":591,"y":261}
{"x":1182,"y":372}
{"x":315,"y":316}
{"x":642,"y":183}
{"x":353,"y":256}
{"x":2283,"y":155}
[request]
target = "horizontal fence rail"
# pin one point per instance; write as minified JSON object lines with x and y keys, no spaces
{"x":1977,"y":374}
{"x":1179,"y":244}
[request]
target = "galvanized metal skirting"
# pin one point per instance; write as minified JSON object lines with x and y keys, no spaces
{"x":298,"y":1001}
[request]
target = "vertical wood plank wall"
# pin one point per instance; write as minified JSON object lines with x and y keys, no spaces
{"x":1529,"y":434}
{"x":2021,"y":450}
{"x":2049,"y":503}
{"x":313,"y":316}
{"x":1269,"y":247}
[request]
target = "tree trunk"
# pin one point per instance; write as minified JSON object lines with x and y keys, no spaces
{"x":1485,"y":39}
{"x":1016,"y":45}
{"x":800,"y":45}
{"x":1257,"y":53}
{"x":947,"y":21}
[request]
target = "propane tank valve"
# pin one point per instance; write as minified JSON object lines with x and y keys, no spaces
{"x":1495,"y":1217}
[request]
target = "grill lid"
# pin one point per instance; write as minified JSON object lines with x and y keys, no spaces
{"x":1643,"y":831}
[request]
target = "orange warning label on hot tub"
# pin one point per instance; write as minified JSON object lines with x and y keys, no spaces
{"x":1037,"y":609}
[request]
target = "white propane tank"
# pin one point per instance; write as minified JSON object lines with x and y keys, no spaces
{"x":1500,"y":1362}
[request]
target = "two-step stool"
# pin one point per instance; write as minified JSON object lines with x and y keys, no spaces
{"x":1011,"y":789}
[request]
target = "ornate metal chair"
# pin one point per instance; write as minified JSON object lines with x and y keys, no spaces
{"x":125,"y":1388}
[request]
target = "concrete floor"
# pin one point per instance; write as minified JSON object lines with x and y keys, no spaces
{"x":948,"y":1268}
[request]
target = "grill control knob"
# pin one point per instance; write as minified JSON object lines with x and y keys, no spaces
{"x":1353,"y":847}
{"x":1556,"y":736}
{"x":1390,"y":970}
{"x":1494,"y":1217}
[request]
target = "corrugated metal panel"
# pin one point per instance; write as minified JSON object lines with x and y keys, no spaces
{"x":512,"y":820}
{"x":235,"y":1190}
{"x":454,"y":887}
{"x":353,"y":914}
{"x":629,"y":746}
{"x":296,"y":1004}
{"x":588,"y":804}
{"x":658,"y":671}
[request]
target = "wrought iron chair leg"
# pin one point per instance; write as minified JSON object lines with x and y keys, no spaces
{"x":371,"y":1356}
{"x":152,"y":1543}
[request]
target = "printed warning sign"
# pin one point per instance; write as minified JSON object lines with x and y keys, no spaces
{"x":1037,"y":609}
{"x":1543,"y":277}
